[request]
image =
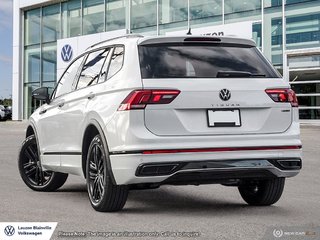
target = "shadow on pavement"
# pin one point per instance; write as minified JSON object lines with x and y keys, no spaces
{"x":172,"y":200}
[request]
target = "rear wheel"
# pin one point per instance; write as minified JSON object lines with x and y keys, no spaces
{"x":103,"y":194}
{"x":31,"y":170}
{"x":262,"y":192}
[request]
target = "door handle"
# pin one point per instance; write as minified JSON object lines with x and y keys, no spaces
{"x":91,"y":96}
{"x":60,"y":105}
{"x":43,"y":111}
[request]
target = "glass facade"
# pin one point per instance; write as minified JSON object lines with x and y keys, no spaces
{"x":43,"y":26}
{"x":239,"y":9}
{"x":173,"y":14}
{"x":93,"y":16}
{"x":71,"y":18}
{"x":51,"y":23}
{"x":205,"y":11}
{"x":116,"y":14}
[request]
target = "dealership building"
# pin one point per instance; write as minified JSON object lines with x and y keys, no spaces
{"x":47,"y":35}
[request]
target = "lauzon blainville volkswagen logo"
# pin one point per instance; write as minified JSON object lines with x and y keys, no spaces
{"x":66,"y":53}
{"x":9,"y":230}
{"x":225,"y":94}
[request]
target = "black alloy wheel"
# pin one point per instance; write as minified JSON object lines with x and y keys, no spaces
{"x":96,"y":172}
{"x":31,"y":170}
{"x":104,"y":195}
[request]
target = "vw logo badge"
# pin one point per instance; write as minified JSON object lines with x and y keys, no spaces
{"x":9,"y":230}
{"x":66,"y":53}
{"x":225,"y":94}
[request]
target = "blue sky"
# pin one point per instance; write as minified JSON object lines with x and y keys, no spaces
{"x":5,"y":48}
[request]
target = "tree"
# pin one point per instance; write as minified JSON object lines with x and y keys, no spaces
{"x":6,"y":102}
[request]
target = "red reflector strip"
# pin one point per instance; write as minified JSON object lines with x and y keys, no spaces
{"x":221,"y":149}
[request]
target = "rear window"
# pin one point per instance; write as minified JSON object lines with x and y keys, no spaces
{"x":203,"y":61}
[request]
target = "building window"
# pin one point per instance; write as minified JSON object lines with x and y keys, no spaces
{"x":32,"y":65}
{"x":143,"y":14}
{"x":49,"y":62}
{"x":32,"y":27}
{"x":272,"y":3}
{"x":116,"y":14}
{"x":205,"y":11}
{"x":240,"y":9}
{"x":51,"y":23}
{"x":93,"y":16}
{"x":173,"y":14}
{"x":303,"y":29}
{"x":299,"y":30}
{"x":232,"y":6}
{"x":288,"y":2}
{"x":257,"y":34}
{"x":276,"y":41}
{"x":71,"y":18}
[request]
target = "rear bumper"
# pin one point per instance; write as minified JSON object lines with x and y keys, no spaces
{"x":206,"y":167}
{"x":142,"y":147}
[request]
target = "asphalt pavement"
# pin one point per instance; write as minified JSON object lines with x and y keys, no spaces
{"x":170,"y":212}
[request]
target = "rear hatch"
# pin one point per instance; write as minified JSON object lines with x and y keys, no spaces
{"x":222,"y":88}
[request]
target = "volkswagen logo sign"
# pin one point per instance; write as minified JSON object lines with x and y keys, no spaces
{"x":225,"y":94}
{"x":66,"y":53}
{"x":9,"y":230}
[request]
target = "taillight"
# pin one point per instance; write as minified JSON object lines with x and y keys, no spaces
{"x":139,"y":99}
{"x":283,"y":95}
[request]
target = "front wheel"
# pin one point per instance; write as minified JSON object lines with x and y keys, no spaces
{"x":104,"y":195}
{"x":262,"y":192}
{"x":31,"y":170}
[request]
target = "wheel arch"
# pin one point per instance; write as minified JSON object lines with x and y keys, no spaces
{"x":30,"y":131}
{"x":92,"y":129}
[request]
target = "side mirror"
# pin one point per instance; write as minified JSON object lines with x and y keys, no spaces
{"x":41,"y":94}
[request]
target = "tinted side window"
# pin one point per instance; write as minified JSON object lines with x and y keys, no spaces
{"x":116,"y":61}
{"x":66,"y":82}
{"x":92,"y":68}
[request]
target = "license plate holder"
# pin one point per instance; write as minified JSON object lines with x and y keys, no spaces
{"x":224,"y":118}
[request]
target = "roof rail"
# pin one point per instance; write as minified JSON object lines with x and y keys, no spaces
{"x":110,"y":39}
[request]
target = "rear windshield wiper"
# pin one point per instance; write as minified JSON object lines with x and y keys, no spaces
{"x":237,"y":74}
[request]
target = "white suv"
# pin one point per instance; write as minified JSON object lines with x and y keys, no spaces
{"x":138,"y":112}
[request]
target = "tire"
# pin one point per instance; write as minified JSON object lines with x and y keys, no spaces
{"x":31,"y":171}
{"x":104,"y":196}
{"x":262,"y":192}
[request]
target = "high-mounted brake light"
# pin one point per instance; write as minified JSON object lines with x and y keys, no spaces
{"x":139,"y":99}
{"x":283,"y":95}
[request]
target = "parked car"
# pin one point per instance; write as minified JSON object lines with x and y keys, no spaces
{"x":8,"y":110}
{"x":2,"y":113}
{"x":140,"y":112}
